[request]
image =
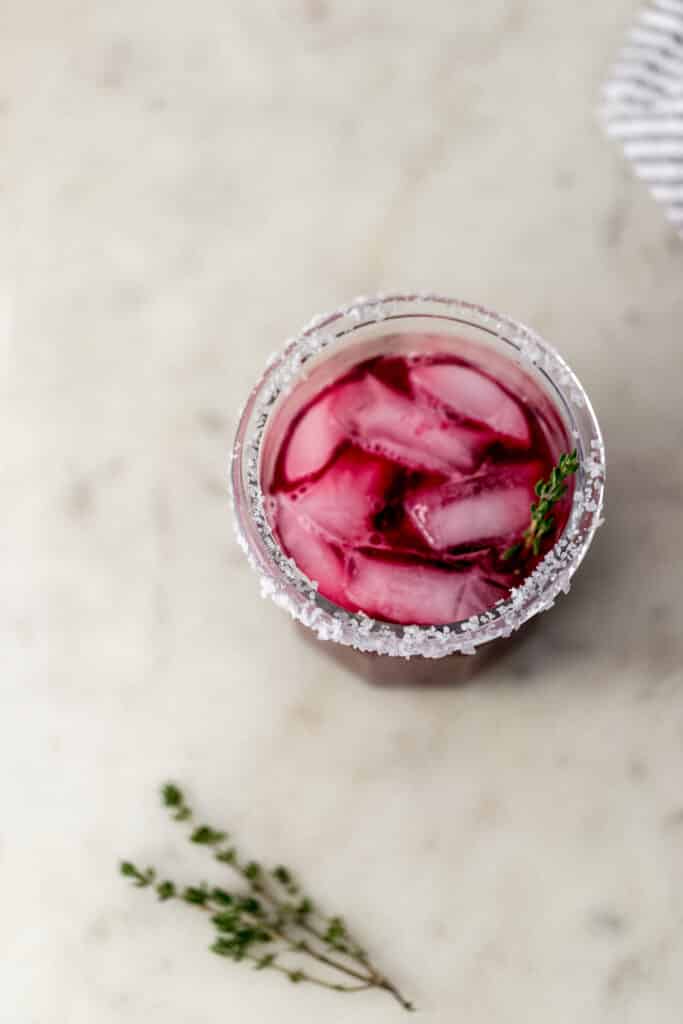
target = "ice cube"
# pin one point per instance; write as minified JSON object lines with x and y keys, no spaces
{"x":413,"y":594}
{"x":478,"y":593}
{"x":380,"y":419}
{"x":474,"y":396}
{"x":492,"y":506}
{"x":313,"y":441}
{"x":342,"y":502}
{"x":315,"y":556}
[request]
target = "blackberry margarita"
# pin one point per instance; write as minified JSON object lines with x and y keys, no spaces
{"x":387,"y":463}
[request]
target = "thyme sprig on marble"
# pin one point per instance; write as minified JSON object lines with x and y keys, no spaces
{"x":267,"y":920}
{"x":548,"y":492}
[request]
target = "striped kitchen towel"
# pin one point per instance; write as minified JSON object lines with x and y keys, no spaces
{"x":643,"y":103}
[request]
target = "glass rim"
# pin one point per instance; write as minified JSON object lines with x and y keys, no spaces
{"x":283,"y":581}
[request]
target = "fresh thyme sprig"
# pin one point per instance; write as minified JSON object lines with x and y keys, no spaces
{"x":268,"y":921}
{"x":548,"y":493}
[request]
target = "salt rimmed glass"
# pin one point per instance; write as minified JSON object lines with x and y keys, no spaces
{"x":365,"y":320}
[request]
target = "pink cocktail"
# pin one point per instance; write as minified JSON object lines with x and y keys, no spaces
{"x":385,"y":470}
{"x":400,"y":485}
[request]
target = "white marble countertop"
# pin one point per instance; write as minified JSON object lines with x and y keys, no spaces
{"x":183,"y":185}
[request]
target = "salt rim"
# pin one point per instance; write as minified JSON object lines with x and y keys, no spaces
{"x":284,"y":583}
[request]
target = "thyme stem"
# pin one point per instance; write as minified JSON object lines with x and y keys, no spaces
{"x":548,"y":492}
{"x":271,"y":919}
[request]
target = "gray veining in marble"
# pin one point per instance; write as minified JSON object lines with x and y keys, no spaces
{"x":181,"y":187}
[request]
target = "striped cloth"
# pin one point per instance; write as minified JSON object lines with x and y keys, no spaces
{"x":643,"y":103}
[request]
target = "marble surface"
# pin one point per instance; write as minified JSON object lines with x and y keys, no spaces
{"x":182,"y":186}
